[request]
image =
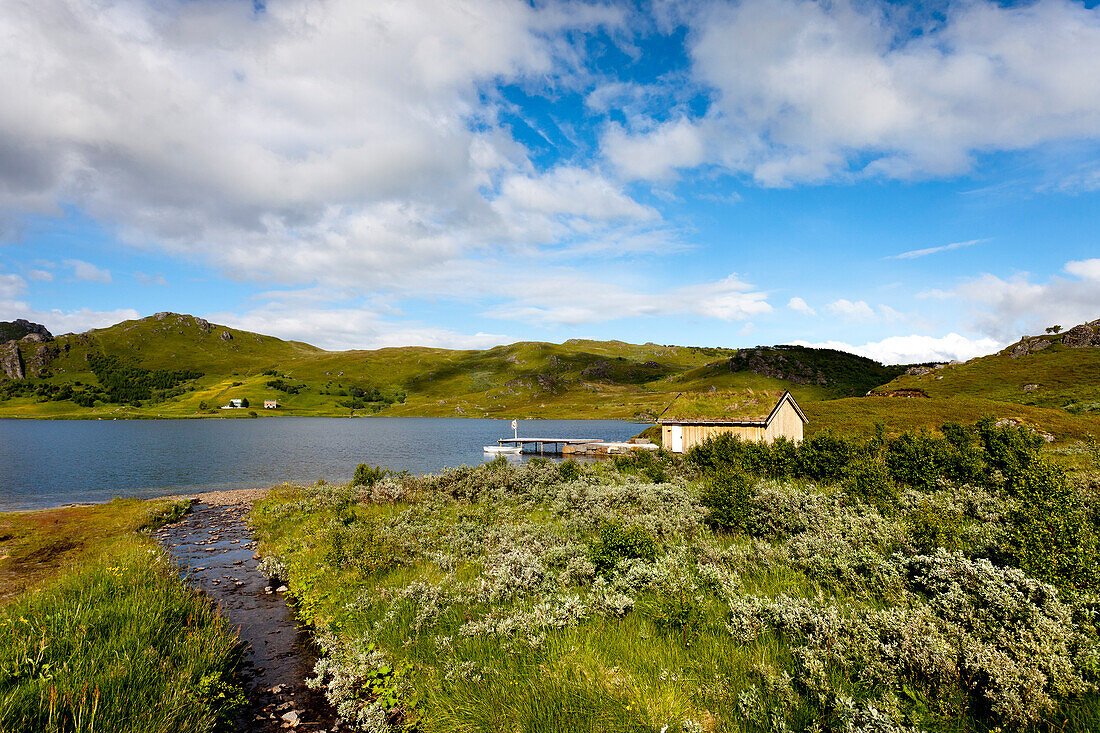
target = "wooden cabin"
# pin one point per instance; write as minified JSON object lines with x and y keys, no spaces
{"x":786,"y":420}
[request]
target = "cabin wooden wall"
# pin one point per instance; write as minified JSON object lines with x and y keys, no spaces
{"x":786,"y":424}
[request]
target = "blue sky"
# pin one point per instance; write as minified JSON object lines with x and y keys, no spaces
{"x":908,"y":181}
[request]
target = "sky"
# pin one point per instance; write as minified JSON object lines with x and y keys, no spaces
{"x":908,"y":181}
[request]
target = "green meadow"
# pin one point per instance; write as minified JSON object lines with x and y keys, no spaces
{"x":97,"y":631}
{"x":928,"y":581}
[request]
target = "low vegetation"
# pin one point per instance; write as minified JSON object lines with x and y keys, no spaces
{"x":927,"y":581}
{"x":97,"y":632}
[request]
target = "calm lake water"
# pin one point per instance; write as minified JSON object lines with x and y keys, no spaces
{"x":45,"y":463}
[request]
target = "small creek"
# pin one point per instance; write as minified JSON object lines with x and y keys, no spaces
{"x":217,"y":554}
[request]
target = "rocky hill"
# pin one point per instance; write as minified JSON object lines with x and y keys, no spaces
{"x":1059,"y":369}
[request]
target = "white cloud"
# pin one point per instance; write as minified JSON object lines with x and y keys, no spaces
{"x":350,"y":328}
{"x":913,"y":254}
{"x":11,"y":285}
{"x":40,"y":275}
{"x":87,"y":272}
{"x":335,"y":142}
{"x":655,"y":154}
{"x":570,"y":299}
{"x":916,"y":349}
{"x":1005,"y":308}
{"x":800,"y":306}
{"x":807,"y":91}
{"x":852,"y":311}
{"x":1085,"y":269}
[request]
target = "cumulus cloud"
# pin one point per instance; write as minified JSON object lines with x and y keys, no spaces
{"x":1005,"y":308}
{"x":800,"y":306}
{"x":656,"y":153}
{"x":915,"y":348}
{"x":41,"y":275}
{"x":852,"y":311}
{"x":570,"y":299}
{"x":87,"y":272}
{"x":1085,"y":269}
{"x":338,"y":142}
{"x":350,"y":328}
{"x":807,"y":91}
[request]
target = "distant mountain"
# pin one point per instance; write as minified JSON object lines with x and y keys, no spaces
{"x":173,"y":365}
{"x":181,"y":365}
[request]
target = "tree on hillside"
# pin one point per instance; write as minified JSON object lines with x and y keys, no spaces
{"x":244,"y":402}
{"x":1054,"y":329}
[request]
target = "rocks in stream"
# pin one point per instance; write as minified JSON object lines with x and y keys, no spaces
{"x":216,"y":554}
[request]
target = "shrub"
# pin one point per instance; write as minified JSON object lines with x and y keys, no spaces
{"x":825,"y":456}
{"x":917,"y":459}
{"x":616,"y":542}
{"x":367,"y":475}
{"x":726,"y":496}
{"x":1010,"y":449}
{"x":868,"y":480}
{"x":1052,"y":538}
{"x":570,"y":470}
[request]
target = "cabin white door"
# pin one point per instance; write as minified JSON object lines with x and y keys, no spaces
{"x":675,"y":438}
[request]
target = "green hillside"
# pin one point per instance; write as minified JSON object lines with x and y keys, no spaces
{"x":171,"y":365}
{"x":174,"y":365}
{"x":1057,"y":371}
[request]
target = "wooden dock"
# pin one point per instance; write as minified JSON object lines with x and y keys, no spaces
{"x":578,"y":446}
{"x":557,"y":444}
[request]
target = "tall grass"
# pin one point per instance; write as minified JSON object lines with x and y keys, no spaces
{"x":116,"y":644}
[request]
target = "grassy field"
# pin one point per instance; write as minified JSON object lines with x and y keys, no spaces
{"x":1063,"y":377}
{"x":608,"y":379}
{"x":97,"y":631}
{"x":577,"y":379}
{"x":661,"y":595}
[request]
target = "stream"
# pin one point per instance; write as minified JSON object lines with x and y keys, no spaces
{"x":216,"y":553}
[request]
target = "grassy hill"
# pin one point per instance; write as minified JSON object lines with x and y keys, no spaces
{"x":1055,"y":371}
{"x":183,"y":366}
{"x":172,"y":365}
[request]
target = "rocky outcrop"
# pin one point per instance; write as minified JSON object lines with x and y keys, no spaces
{"x":20,"y":328}
{"x":597,"y":370}
{"x":226,"y":336}
{"x":768,"y":363}
{"x":11,"y":361}
{"x":1087,"y":334}
{"x":40,"y":360}
{"x":1082,"y":336}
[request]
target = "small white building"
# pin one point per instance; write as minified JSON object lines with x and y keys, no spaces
{"x":271,"y":404}
{"x":234,"y":404}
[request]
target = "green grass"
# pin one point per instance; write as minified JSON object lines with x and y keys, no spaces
{"x":1066,"y":376}
{"x":405,"y":591}
{"x":98,"y":633}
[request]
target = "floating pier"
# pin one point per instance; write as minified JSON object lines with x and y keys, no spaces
{"x":558,"y":446}
{"x":577,"y":446}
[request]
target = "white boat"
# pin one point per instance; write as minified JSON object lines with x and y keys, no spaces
{"x":509,"y":449}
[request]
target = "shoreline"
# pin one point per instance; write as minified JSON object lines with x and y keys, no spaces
{"x":218,"y":497}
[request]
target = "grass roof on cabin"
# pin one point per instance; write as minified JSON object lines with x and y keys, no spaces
{"x":724,"y":405}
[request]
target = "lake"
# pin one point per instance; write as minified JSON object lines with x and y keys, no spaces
{"x":46,"y":463}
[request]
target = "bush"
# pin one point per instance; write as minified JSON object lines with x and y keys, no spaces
{"x":616,"y":542}
{"x":1052,"y":538}
{"x":727,"y":495}
{"x":368,"y":476}
{"x":868,"y":481}
{"x":825,"y":456}
{"x":570,"y":470}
